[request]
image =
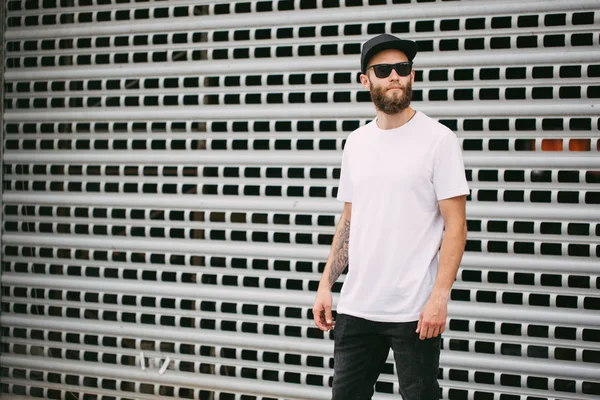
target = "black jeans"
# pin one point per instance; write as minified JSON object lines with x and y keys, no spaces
{"x":361,"y":348}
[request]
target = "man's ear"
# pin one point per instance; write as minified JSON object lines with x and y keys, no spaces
{"x":364,"y":79}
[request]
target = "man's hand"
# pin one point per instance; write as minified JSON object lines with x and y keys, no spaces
{"x":322,"y":310}
{"x":432,"y":321}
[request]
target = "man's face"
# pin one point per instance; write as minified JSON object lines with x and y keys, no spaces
{"x":392,"y":94}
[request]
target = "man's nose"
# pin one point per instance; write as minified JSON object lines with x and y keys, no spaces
{"x":394,"y":75}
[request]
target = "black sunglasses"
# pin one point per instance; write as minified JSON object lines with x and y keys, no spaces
{"x":384,"y":70}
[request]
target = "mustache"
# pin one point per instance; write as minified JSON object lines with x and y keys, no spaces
{"x":395,"y":85}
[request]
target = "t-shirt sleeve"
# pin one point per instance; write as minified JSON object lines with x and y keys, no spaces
{"x":449,"y":178}
{"x":345,"y":184}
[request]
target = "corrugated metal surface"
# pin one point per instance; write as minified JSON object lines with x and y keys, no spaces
{"x":169,"y":179}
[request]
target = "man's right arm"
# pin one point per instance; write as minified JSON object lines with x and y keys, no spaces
{"x":336,"y":263}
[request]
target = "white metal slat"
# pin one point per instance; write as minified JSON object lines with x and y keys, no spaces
{"x":552,"y":284}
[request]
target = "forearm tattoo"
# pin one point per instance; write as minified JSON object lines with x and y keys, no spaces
{"x":339,"y":252}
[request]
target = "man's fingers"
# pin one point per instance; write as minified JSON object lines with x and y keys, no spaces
{"x":316,"y":313}
{"x":321,"y":325}
{"x":419,"y":324}
{"x":323,"y":318}
{"x":431,"y":333}
{"x":422,"y":332}
{"x":427,"y":331}
{"x":322,"y":311}
{"x":318,"y":317}
{"x":329,"y":322}
{"x":328,"y":316}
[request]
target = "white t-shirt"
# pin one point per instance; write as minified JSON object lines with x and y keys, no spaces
{"x":394,"y":179}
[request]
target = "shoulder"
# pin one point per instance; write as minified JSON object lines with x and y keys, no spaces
{"x":436,"y":131}
{"x":363,"y":130}
{"x":433,"y":126}
{"x":359,"y":133}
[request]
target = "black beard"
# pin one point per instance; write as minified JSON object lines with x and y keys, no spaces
{"x":391,"y":105}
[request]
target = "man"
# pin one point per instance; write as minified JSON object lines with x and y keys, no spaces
{"x":403,"y":183}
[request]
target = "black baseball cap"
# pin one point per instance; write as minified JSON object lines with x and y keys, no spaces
{"x":385,"y":42}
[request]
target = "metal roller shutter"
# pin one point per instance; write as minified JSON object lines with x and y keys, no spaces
{"x":169,"y":173}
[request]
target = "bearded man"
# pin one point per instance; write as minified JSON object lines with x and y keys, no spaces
{"x":404,"y":191}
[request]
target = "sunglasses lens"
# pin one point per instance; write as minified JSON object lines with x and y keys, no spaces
{"x":383,"y":70}
{"x":403,"y":69}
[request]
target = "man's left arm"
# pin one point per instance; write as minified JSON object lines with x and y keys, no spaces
{"x":432,"y":321}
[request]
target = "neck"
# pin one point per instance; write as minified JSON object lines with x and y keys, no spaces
{"x":387,"y":121}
